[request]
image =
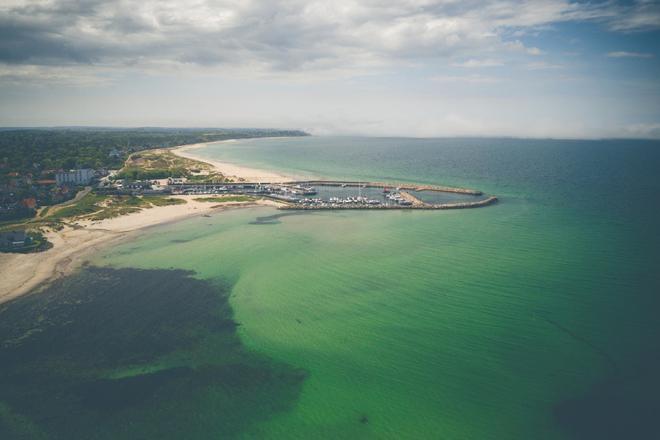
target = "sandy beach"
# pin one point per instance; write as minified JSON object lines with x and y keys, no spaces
{"x":72,"y":246}
{"x":229,"y":169}
{"x":23,"y":273}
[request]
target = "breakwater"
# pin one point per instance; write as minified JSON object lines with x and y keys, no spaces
{"x":337,"y":194}
{"x":457,"y":205}
{"x":401,"y":186}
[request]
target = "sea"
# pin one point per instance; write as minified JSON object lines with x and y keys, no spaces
{"x":534,"y":318}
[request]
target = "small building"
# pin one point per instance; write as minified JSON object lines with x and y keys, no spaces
{"x":13,"y":239}
{"x":76,"y":177}
{"x":45,"y":182}
{"x":29,"y":203}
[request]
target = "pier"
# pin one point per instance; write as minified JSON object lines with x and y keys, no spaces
{"x":336,"y":194}
{"x":428,"y":206}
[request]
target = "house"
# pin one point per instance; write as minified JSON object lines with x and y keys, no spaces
{"x":76,"y":177}
{"x":29,"y":203}
{"x":13,"y":239}
{"x":46,"y":182}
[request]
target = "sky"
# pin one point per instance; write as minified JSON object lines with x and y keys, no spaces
{"x":523,"y":68}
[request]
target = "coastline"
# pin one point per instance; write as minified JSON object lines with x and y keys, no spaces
{"x":24,"y":273}
{"x":73,"y":245}
{"x":229,"y":169}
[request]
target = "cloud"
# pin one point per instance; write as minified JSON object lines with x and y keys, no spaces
{"x":471,"y":79}
{"x":478,"y":63}
{"x":640,"y":15}
{"x":645,"y":131}
{"x":266,"y":36}
{"x":623,"y":54}
{"x":59,"y":75}
{"x":543,"y":65}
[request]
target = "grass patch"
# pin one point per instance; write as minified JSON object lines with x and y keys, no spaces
{"x":160,"y":164}
{"x":37,"y":243}
{"x":86,"y":206}
{"x":97,"y":207}
{"x":164,"y":201}
{"x":92,"y":207}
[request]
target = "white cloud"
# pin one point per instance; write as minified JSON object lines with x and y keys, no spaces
{"x":265,"y":36}
{"x":472,"y":79}
{"x":387,"y":66}
{"x":543,"y":65}
{"x":646,"y":131}
{"x":477,"y":63}
{"x":638,"y":16}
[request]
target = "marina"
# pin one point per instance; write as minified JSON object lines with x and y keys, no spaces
{"x":327,"y":194}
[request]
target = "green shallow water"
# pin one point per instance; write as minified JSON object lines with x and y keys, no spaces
{"x":532,"y":318}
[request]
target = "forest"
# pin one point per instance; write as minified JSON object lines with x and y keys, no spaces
{"x":35,"y":150}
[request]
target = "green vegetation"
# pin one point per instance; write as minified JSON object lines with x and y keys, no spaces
{"x":30,"y":159}
{"x":85,"y":206}
{"x":37,"y":150}
{"x":164,"y":201}
{"x":225,"y":199}
{"x":92,"y":207}
{"x":160,"y":164}
{"x":99,"y":207}
{"x":167,"y":348}
{"x":35,"y":242}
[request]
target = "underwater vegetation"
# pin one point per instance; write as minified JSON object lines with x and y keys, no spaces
{"x":128,"y":353}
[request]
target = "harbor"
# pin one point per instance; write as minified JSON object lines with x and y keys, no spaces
{"x":332,"y":194}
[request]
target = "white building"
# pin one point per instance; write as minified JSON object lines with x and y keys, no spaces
{"x":75,"y":177}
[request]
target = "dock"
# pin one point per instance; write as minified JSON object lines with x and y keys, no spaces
{"x":302,"y":195}
{"x":428,"y":206}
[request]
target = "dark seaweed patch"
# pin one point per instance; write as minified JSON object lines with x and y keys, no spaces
{"x":275,"y":218}
{"x":132,"y":354}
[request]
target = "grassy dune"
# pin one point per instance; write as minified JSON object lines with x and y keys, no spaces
{"x":159,"y":164}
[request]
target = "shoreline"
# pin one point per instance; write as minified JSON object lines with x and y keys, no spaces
{"x":72,"y":246}
{"x":229,"y":169}
{"x":29,"y":273}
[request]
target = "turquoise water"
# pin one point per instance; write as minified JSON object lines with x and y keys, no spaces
{"x":532,"y":318}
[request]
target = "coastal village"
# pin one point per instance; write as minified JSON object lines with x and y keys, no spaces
{"x":31,"y":195}
{"x":45,"y":172}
